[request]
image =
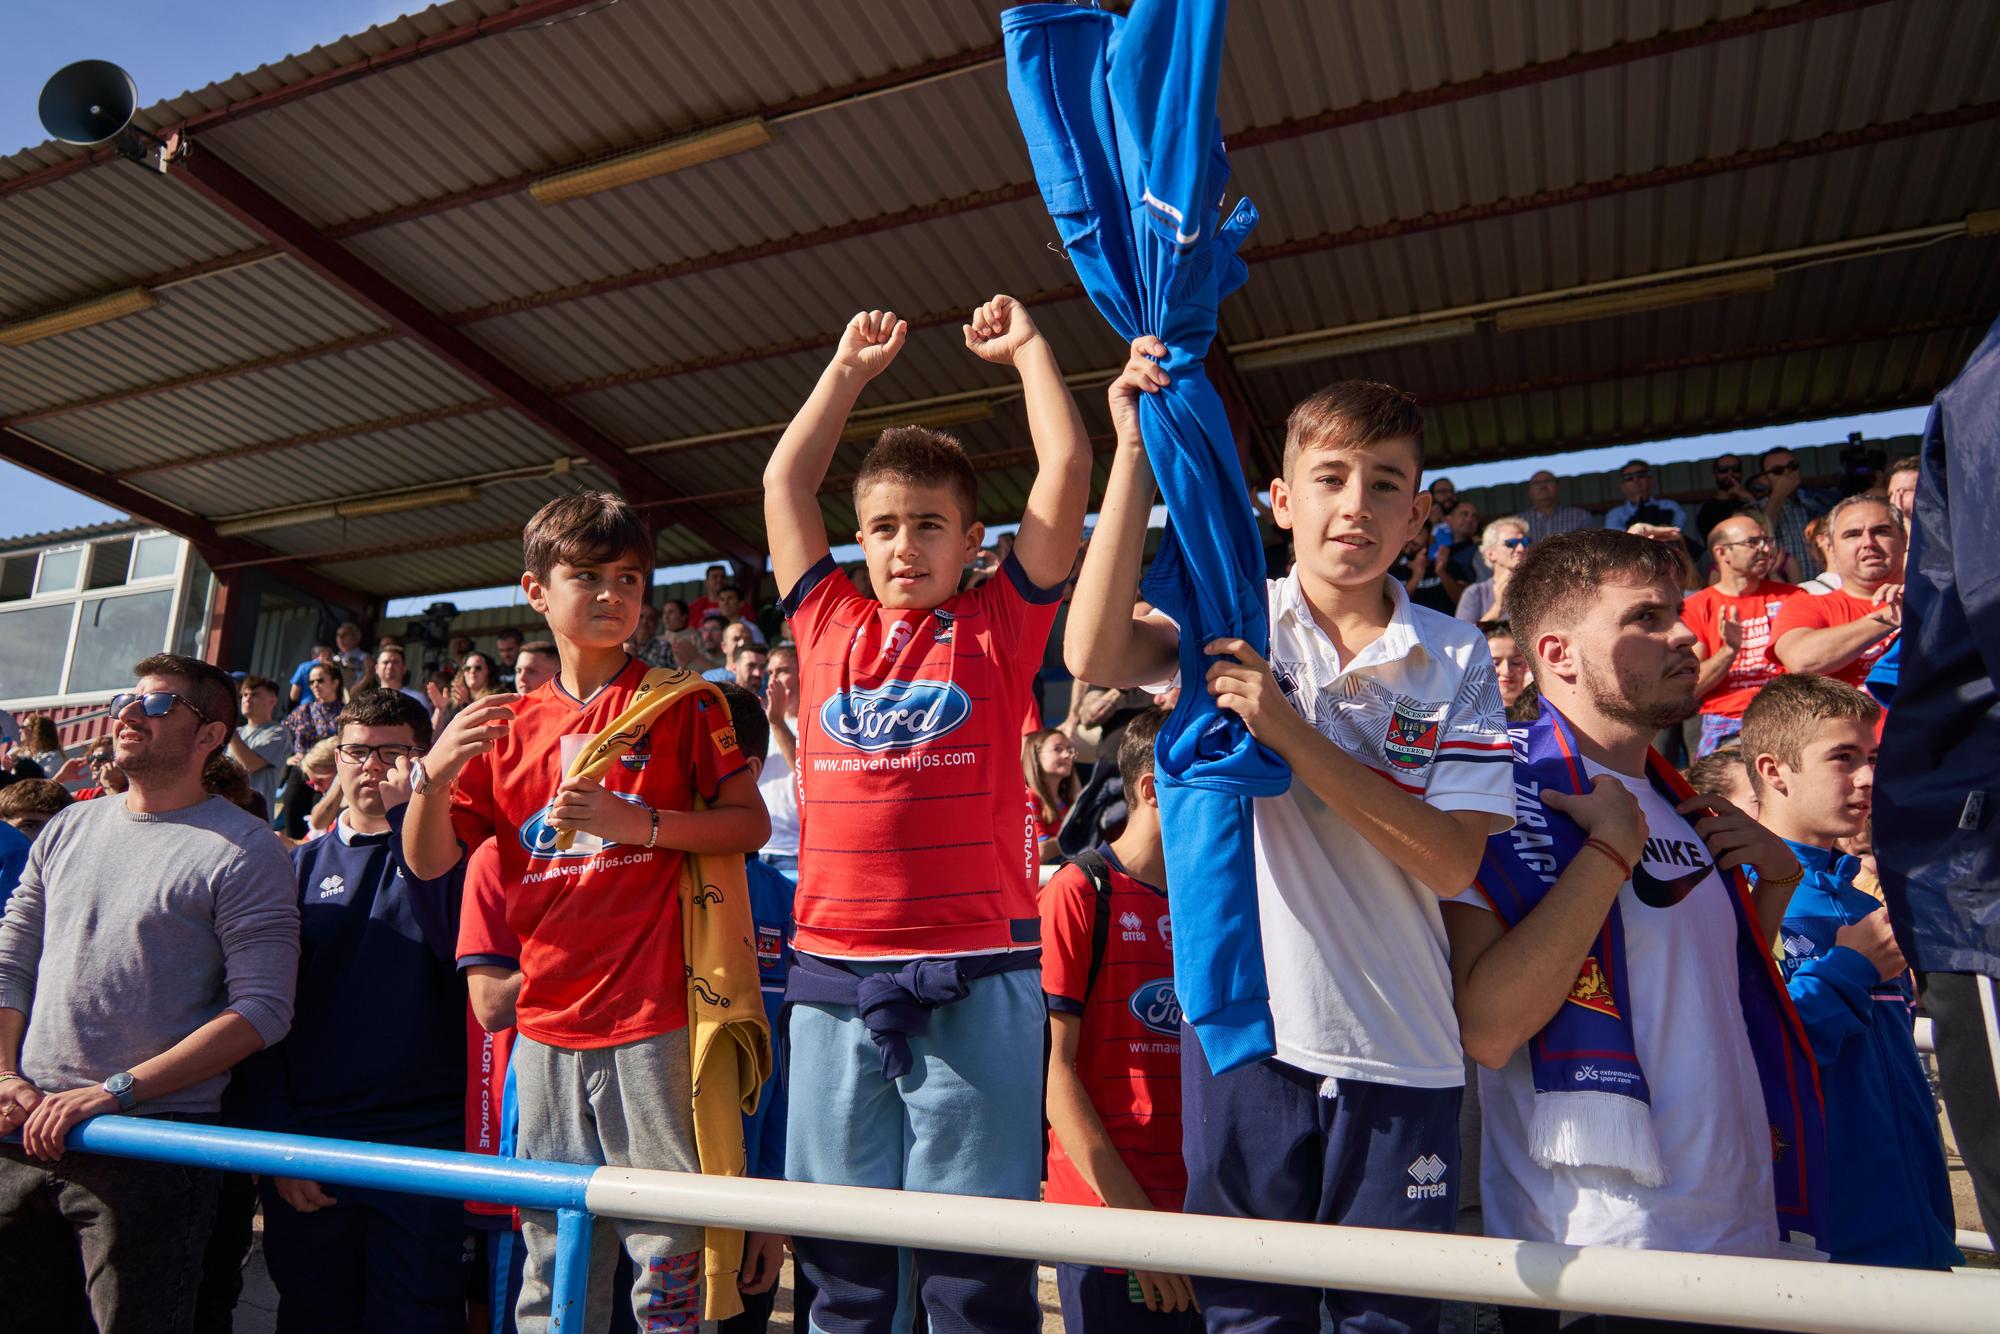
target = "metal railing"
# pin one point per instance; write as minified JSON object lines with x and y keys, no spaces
{"x":1721,"y":1290}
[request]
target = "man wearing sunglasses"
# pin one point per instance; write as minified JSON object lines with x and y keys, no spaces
{"x":173,"y":913}
{"x":1790,"y":509}
{"x":377,"y":956}
{"x":1733,"y":618}
{"x":1635,"y":481}
{"x":1732,"y":495}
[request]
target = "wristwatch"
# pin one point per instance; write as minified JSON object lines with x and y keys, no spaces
{"x":119,"y":1086}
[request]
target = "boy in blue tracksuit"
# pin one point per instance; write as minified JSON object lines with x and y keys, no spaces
{"x":1810,"y":745}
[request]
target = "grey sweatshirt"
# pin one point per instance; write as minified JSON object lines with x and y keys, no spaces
{"x":128,"y":932}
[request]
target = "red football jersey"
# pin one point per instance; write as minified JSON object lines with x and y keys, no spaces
{"x":1129,"y":1053}
{"x":916,"y":838}
{"x":599,"y":924}
{"x":1836,"y":608}
{"x":1754,"y":665}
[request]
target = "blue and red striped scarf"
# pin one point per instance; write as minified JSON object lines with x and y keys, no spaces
{"x":1592,"y":1103}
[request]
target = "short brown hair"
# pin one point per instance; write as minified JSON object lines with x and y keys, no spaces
{"x":33,"y":796}
{"x":923,"y":457}
{"x":1353,"y":414}
{"x":1787,"y":714}
{"x":258,"y":683}
{"x":547,"y":646}
{"x":586,"y":528}
{"x":1907,"y":463}
{"x":1562,"y":574}
{"x":1136,"y":746}
{"x":208,"y":687}
{"x":387,"y":708}
{"x":1710,"y":774}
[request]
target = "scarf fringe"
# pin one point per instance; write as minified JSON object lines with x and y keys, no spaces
{"x":1607,"y":1130}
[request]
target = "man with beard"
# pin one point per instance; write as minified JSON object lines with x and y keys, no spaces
{"x":1731,"y":619}
{"x":1843,"y":633}
{"x":1612,"y":972}
{"x":152,"y":944}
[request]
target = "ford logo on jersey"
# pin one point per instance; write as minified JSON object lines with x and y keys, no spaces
{"x":538,"y":836}
{"x":897,"y":716}
{"x":1156,"y":1006}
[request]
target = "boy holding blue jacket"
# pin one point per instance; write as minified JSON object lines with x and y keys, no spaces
{"x":1810,"y":745}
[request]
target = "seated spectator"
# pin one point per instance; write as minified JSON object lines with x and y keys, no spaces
{"x":1842,"y":633}
{"x":1732,"y":496}
{"x":392,"y":672}
{"x":261,"y":744}
{"x":321,"y":653}
{"x":1722,"y":773}
{"x":1458,"y":562}
{"x":477,"y":677}
{"x":673,"y":618}
{"x":25,"y":807}
{"x":1546,"y":516}
{"x":1789,"y":509}
{"x":734,"y":640}
{"x":644,"y":644}
{"x":44,"y":745}
{"x":1444,"y":496}
{"x":223,"y":777}
{"x":1635,"y":481}
{"x":775,"y":780}
{"x":174,"y":911}
{"x":1811,"y":743}
{"x":1902,"y":487}
{"x":1114,"y":1074}
{"x":349,"y":656}
{"x":1732,"y":620}
{"x":318,"y":769}
{"x":712,"y":581}
{"x":1510,"y":664}
{"x":1826,"y":580}
{"x":709,"y":636}
{"x":747,"y":668}
{"x":1048,"y":760}
{"x":1417,"y":570}
{"x":1504,"y":545}
{"x":536,"y":663}
{"x":729,"y":601}
{"x":314,"y":720}
{"x":377,"y":948}
{"x":104,"y":773}
{"x":506,"y":648}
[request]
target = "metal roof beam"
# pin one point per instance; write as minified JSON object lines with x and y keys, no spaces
{"x":30,"y":453}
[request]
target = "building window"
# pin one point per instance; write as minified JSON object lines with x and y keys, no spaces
{"x":114,"y":633}
{"x":32,"y":640}
{"x":60,"y":571}
{"x":155,"y":556}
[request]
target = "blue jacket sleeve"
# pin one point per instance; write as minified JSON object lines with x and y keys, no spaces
{"x":1831,"y":995}
{"x":434,"y":903}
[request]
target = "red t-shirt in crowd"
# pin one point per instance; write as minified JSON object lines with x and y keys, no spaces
{"x":699,"y":608}
{"x":599,"y":924}
{"x":916,"y":839}
{"x":1754,"y":665}
{"x":1128,"y":1055}
{"x":485,"y":938}
{"x":1839,"y":607}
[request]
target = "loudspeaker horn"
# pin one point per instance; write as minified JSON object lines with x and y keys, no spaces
{"x":88,"y":103}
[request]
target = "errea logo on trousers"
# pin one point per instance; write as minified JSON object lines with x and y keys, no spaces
{"x":1428,"y":1172}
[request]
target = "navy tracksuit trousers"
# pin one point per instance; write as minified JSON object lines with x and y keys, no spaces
{"x":377,"y":1262}
{"x":1263,"y":1141}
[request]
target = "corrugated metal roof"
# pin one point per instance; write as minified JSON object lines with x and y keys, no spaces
{"x":1407,"y":155}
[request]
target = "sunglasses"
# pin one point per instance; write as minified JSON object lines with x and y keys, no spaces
{"x":356,"y":753}
{"x":1781,"y":469}
{"x":1633,"y":476}
{"x":1516,"y":541}
{"x":154,"y":704}
{"x":1728,"y":470}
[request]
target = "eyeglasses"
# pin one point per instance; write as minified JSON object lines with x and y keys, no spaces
{"x":1747,"y":542}
{"x":1781,"y":469}
{"x":389,"y":755}
{"x":154,"y":703}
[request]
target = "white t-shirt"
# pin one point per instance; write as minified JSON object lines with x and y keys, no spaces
{"x":1354,"y":946}
{"x":1708,"y":1108}
{"x":781,"y":799}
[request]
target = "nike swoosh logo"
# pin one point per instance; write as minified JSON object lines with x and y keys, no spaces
{"x":1657,"y":893}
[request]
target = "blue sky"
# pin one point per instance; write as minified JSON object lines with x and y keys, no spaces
{"x":170,"y":48}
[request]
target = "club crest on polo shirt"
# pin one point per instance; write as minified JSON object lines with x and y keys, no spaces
{"x":1156,"y":1006}
{"x":896,"y":716}
{"x":1414,"y":733}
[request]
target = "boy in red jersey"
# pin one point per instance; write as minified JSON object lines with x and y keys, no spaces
{"x":916,"y":851}
{"x":1114,"y":1087}
{"x":601,"y":1056}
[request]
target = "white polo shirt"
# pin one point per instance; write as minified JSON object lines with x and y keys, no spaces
{"x":1354,"y":946}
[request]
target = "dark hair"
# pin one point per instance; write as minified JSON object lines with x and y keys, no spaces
{"x":1709,"y":775}
{"x":1497,"y":629}
{"x":223,"y":777}
{"x":730,"y":588}
{"x":746,"y":715}
{"x":1561,"y":575}
{"x":675,"y":602}
{"x":586,"y":528}
{"x":208,"y":687}
{"x":507,"y":632}
{"x":1787,"y":714}
{"x":1635,"y":463}
{"x":715,"y":569}
{"x":1763,"y":459}
{"x":388,"y":708}
{"x":33,"y":796}
{"x":1354,"y":414}
{"x":1135,"y":748}
{"x":749,"y":646}
{"x":547,"y":646}
{"x":259,"y":683}
{"x":923,"y":457}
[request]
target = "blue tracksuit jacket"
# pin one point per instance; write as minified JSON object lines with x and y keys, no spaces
{"x":1891,"y":1198}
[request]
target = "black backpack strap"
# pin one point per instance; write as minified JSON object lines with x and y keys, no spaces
{"x":1091,"y":862}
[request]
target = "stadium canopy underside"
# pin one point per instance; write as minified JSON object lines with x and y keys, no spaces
{"x":396,"y":294}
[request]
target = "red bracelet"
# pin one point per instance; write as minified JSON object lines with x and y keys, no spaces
{"x":1624,"y":867}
